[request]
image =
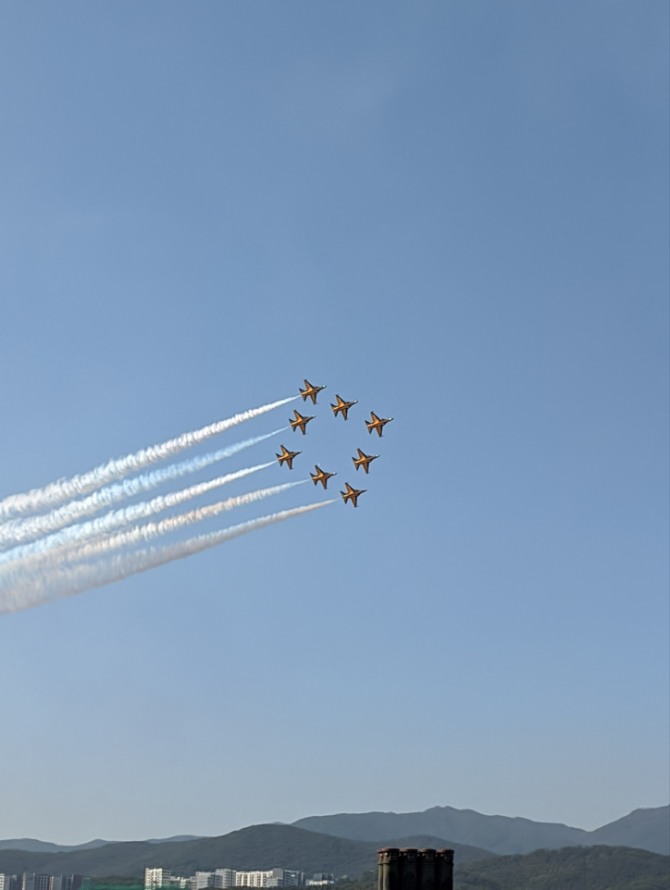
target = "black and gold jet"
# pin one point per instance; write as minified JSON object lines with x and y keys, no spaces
{"x":310,"y":391}
{"x":321,"y":476}
{"x":364,"y":460}
{"x":352,"y":494}
{"x":299,"y":422}
{"x":286,"y":456}
{"x":342,"y":406}
{"x":377,"y":423}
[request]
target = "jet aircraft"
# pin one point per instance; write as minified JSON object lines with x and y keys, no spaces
{"x":377,"y":423}
{"x":364,"y":460}
{"x":286,"y":456}
{"x":310,"y":391}
{"x":321,"y":476}
{"x":299,"y":422}
{"x":352,"y":494}
{"x":342,"y":407}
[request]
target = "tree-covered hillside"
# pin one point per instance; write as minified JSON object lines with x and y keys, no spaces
{"x":572,"y":868}
{"x":255,"y":847}
{"x":579,"y":868}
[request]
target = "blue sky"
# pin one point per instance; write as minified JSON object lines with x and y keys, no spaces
{"x":456,"y":213}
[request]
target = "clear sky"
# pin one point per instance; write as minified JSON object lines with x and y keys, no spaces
{"x":454,"y":212}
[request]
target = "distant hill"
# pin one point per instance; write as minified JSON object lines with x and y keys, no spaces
{"x":176,"y":837}
{"x":256,"y":847}
{"x":572,"y":868}
{"x":343,"y":844}
{"x":35,"y":846}
{"x":579,"y":868}
{"x":646,"y":829}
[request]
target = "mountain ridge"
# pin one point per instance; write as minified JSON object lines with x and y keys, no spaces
{"x":254,"y":847}
{"x":643,"y":828}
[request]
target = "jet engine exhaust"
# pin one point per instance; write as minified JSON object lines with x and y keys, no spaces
{"x":39,"y":499}
{"x":15,"y":531}
{"x":94,"y":528}
{"x":70,"y":581}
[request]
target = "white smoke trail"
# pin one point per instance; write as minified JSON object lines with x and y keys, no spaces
{"x":39,"y":499}
{"x":150,"y":530}
{"x":69,"y":581}
{"x":94,"y":528}
{"x":16,"y":531}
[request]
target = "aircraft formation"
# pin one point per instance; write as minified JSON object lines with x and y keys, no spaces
{"x":340,"y":407}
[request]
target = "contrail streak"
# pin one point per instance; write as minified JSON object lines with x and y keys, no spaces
{"x":94,"y":528}
{"x":16,"y":531}
{"x":39,"y":499}
{"x":69,"y":581}
{"x":150,"y":530}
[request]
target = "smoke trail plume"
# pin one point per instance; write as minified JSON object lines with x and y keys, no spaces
{"x":39,"y":499}
{"x":150,"y":530}
{"x":69,"y":581}
{"x":16,"y":531}
{"x":94,"y":528}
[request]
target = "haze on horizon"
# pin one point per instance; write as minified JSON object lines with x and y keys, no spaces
{"x":455,"y":213}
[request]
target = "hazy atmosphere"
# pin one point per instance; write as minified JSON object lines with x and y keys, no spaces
{"x":455,"y":213}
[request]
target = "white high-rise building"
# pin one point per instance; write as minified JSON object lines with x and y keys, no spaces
{"x":252,"y":878}
{"x":273,"y":877}
{"x":201,"y":880}
{"x":155,"y":878}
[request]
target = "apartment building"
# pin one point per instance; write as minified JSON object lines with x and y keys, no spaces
{"x":227,"y":878}
{"x":35,"y":881}
{"x":154,"y":878}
